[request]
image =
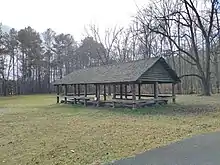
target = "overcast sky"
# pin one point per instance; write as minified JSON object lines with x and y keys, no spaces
{"x":67,"y":16}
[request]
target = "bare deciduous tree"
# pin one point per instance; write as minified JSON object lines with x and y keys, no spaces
{"x":190,"y":18}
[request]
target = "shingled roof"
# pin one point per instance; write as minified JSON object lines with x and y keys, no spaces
{"x":117,"y":73}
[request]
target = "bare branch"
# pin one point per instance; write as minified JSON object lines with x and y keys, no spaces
{"x":187,"y":60}
{"x":191,"y":75}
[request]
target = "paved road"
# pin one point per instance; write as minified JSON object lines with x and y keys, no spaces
{"x":199,"y":150}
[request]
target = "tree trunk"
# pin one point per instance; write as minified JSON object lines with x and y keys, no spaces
{"x":216,"y":72}
{"x":191,"y":81}
{"x":39,"y":80}
{"x":13,"y":72}
{"x":4,"y":87}
{"x":206,"y":88}
{"x":18,"y":80}
{"x":179,"y":86}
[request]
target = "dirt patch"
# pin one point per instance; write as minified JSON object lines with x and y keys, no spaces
{"x":3,"y":110}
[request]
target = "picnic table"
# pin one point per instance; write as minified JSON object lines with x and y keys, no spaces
{"x":79,"y":99}
{"x":75,"y":99}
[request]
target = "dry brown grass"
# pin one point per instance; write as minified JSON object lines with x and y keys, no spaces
{"x":34,"y":130}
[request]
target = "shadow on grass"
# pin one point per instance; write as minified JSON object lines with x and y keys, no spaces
{"x":170,"y":109}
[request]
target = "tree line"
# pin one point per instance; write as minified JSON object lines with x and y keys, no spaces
{"x":185,"y":32}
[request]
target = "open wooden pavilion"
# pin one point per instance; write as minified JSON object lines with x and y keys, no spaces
{"x":131,"y":74}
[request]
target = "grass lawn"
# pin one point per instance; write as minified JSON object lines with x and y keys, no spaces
{"x":35,"y":130}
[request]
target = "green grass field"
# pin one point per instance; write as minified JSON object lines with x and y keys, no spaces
{"x":35,"y":130}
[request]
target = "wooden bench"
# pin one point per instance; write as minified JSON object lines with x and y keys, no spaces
{"x":137,"y":103}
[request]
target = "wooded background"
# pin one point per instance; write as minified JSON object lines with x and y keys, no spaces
{"x":185,"y":32}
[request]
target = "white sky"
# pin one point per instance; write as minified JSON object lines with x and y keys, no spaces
{"x":67,"y":16}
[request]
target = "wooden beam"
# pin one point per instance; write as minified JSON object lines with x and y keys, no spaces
{"x":139,"y":91}
{"x":85,"y":94}
{"x":78,"y":89}
{"x":65,"y":94}
{"x":58,"y":94}
{"x":126,"y":91}
{"x":148,"y":95}
{"x":104,"y":95}
{"x":114,"y":91}
{"x":173,"y":93}
{"x":74,"y":89}
{"x":121,"y":93}
{"x":156,"y":90}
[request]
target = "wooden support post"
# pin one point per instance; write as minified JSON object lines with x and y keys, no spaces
{"x":114,"y":91}
{"x":58,"y":94}
{"x":133,"y":92}
{"x":173,"y":93}
{"x":133,"y":96}
{"x":156,"y":90}
{"x":74,"y":89}
{"x":139,"y":91}
{"x":98,"y":95}
{"x":126,"y":91}
{"x":113,"y":104}
{"x":109,"y":90}
{"x":71,"y":90}
{"x":65,"y":93}
{"x":121,"y":93}
{"x":96,"y":90}
{"x":104,"y":95}
{"x":85,"y":90}
{"x":78,"y":89}
{"x":85,"y":94}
